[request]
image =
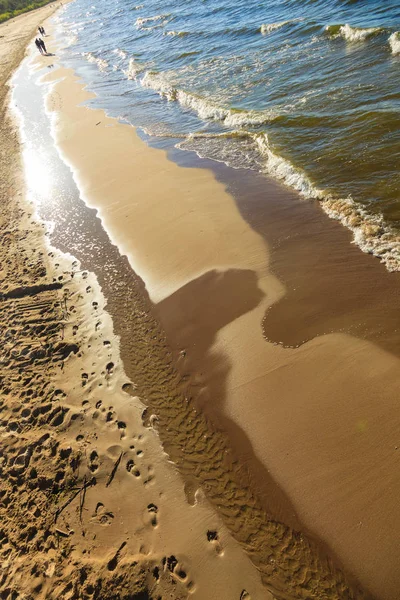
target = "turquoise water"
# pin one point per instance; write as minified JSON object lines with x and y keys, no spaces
{"x":304,"y":90}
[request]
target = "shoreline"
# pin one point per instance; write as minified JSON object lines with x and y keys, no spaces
{"x":330,"y":348}
{"x":222,"y":333}
{"x":69,"y":418}
{"x":79,"y":123}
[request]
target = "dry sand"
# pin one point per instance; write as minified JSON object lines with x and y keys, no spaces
{"x":90,"y":506}
{"x":319,"y":420}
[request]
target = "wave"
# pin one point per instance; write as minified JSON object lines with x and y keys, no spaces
{"x":134,"y":68}
{"x":190,"y":53}
{"x":203,"y":107}
{"x":371,"y":233}
{"x":394,"y":42}
{"x":120,"y":53}
{"x":151,"y":22}
{"x":268,"y":27}
{"x":101,"y":63}
{"x":282,"y":169}
{"x":176,"y":33}
{"x":352,"y":34}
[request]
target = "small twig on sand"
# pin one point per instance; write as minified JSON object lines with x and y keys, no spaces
{"x":82,"y":498}
{"x":62,"y":533}
{"x":116,"y":465}
{"x":85,"y":485}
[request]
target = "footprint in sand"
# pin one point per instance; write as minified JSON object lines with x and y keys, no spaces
{"x":212,"y":537}
{"x":131,"y":468}
{"x":102,"y":516}
{"x":94,"y":461}
{"x":177,"y":572}
{"x":151,"y":515}
{"x":150,"y":475}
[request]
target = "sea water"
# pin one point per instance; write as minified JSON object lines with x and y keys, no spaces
{"x":306,"y":91}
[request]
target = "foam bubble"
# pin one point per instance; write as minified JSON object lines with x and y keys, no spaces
{"x":394,"y":42}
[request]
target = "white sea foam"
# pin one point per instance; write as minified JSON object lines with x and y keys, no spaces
{"x":100,"y":62}
{"x":151,"y":22}
{"x":394,"y":42}
{"x":134,"y":68}
{"x":371,"y":233}
{"x":268,"y":27}
{"x":203,"y":107}
{"x":282,"y":169}
{"x":120,"y":53}
{"x":352,"y":34}
{"x":138,"y":7}
{"x":176,"y":33}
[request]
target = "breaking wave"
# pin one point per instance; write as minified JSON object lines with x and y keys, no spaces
{"x":100,"y":62}
{"x":282,"y":169}
{"x":394,"y":42}
{"x":134,"y":68}
{"x":352,"y":34}
{"x":176,"y":33}
{"x":120,"y":53}
{"x":371,"y":233}
{"x":268,"y":27}
{"x":151,"y":22}
{"x":203,"y":107}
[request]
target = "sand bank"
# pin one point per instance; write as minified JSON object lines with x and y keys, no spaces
{"x":90,"y":505}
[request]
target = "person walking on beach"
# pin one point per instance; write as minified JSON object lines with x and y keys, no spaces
{"x":41,"y":30}
{"x":39,"y":46}
{"x":41,"y":42}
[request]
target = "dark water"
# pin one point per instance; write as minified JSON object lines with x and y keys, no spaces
{"x":304,"y":90}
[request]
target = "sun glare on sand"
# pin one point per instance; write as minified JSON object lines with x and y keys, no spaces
{"x":38,"y":175}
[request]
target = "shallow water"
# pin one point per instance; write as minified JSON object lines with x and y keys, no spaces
{"x":306,"y":91}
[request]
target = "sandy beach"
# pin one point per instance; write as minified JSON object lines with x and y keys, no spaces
{"x":91,"y":507}
{"x":214,"y":385}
